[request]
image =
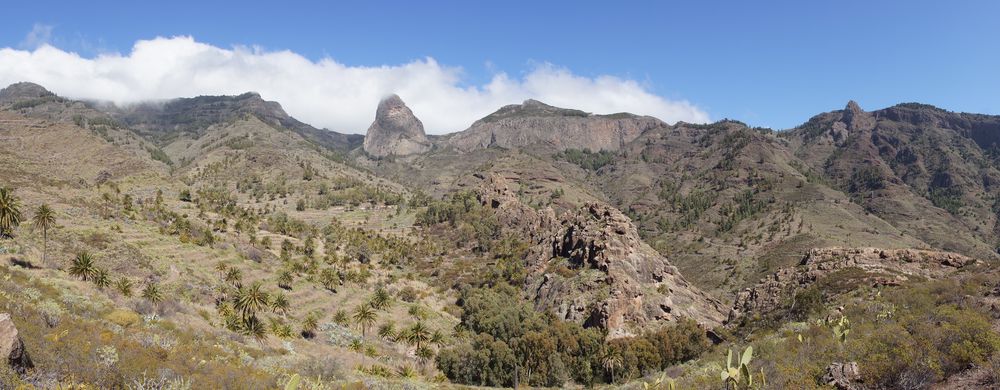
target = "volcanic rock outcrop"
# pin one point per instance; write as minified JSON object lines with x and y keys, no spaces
{"x":396,"y":131}
{"x":879,"y":267}
{"x":534,"y":123}
{"x":591,"y":266}
{"x":11,"y":347}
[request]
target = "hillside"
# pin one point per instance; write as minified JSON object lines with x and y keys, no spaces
{"x":217,"y":242}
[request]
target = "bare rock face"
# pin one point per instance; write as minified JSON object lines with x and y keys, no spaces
{"x":534,"y":123}
{"x":396,"y":131}
{"x":610,"y":278}
{"x":11,"y":346}
{"x":843,"y":376}
{"x":881,"y":267}
{"x":23,"y":91}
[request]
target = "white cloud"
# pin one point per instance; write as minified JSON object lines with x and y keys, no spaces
{"x":40,"y":34}
{"x":323,"y":93}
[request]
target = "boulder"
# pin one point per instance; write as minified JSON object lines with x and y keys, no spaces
{"x":843,"y":376}
{"x":11,"y":346}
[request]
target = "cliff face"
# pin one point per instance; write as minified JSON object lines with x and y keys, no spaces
{"x":857,"y":266}
{"x":396,"y":131}
{"x":536,"y":124}
{"x":590,"y":266}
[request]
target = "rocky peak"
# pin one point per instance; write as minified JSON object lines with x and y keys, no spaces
{"x":396,"y":131}
{"x":23,"y":91}
{"x":855,"y":118}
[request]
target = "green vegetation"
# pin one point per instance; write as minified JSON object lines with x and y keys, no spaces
{"x":10,"y":212}
{"x":44,"y":219}
{"x":587,"y":159}
{"x":505,"y":342}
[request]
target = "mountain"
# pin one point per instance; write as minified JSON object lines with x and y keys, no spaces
{"x":396,"y":131}
{"x":542,"y":246}
{"x":163,"y":121}
{"x":536,"y":124}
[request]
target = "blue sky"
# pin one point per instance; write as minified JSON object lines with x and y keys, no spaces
{"x":770,"y":65}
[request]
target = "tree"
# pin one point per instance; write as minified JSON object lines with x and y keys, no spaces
{"x":387,"y":331}
{"x":285,"y":280}
{"x":253,"y":327}
{"x":418,"y":334}
{"x":10,"y":212}
{"x":610,"y":362}
{"x":309,"y":325}
{"x":251,"y":300}
{"x":44,"y":219}
{"x":365,"y":317}
{"x":83,"y":266}
{"x":279,"y":302}
{"x":233,"y":276}
{"x":381,"y":300}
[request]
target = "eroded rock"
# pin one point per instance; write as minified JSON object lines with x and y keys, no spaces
{"x":609,"y":277}
{"x":879,"y":267}
{"x":12,"y":347}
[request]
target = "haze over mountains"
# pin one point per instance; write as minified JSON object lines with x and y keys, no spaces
{"x":619,"y":225}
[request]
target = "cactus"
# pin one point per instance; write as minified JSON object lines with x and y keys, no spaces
{"x":293,"y":382}
{"x":739,"y":376}
{"x":841,"y":329}
{"x":662,"y":382}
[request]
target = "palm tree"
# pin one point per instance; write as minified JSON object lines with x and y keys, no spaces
{"x":44,"y":219}
{"x":101,"y":278}
{"x":251,"y":300}
{"x":365,"y":317}
{"x":124,"y":286}
{"x":83,"y":266}
{"x":381,"y":300}
{"x":279,"y":302}
{"x":233,"y":276}
{"x":425,"y":354}
{"x":253,"y":327}
{"x":387,"y":331}
{"x":285,"y":280}
{"x":437,"y":338}
{"x":610,"y":361}
{"x":309,"y":325}
{"x":10,"y":212}
{"x":418,"y":334}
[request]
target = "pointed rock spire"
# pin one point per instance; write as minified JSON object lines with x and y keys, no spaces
{"x":396,"y":131}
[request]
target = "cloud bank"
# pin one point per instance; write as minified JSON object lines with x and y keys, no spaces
{"x":323,"y":93}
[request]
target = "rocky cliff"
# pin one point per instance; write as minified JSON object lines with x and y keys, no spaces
{"x":856,"y":266}
{"x":590,"y":266}
{"x":534,"y":123}
{"x":396,"y":131}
